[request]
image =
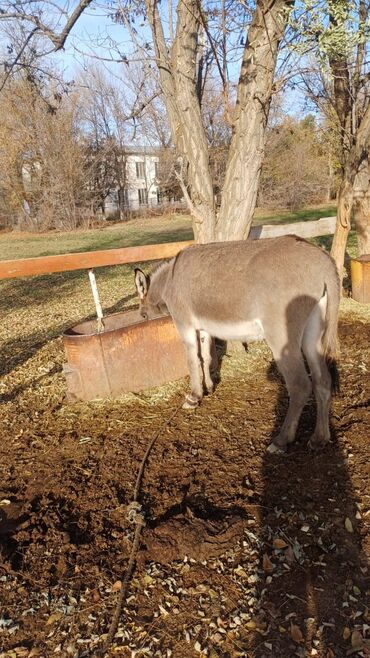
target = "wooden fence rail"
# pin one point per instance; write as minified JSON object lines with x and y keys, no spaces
{"x":10,"y":269}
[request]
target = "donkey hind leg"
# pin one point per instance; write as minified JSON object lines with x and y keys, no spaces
{"x":208,"y":359}
{"x":191,"y":342}
{"x":291,"y":365}
{"x":321,"y":378}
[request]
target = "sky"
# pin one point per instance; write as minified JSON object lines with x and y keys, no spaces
{"x":91,"y":37}
{"x":96,"y":38}
{"x":95,"y":31}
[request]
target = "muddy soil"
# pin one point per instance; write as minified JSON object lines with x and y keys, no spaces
{"x":243,"y":554}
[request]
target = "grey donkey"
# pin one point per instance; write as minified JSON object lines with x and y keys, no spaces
{"x":283,"y":290}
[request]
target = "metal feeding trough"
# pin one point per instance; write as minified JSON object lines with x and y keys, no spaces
{"x":360,"y":275}
{"x":130,"y":354}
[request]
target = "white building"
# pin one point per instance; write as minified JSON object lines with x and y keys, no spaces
{"x":141,"y":188}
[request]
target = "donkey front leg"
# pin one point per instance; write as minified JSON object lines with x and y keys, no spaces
{"x":191,"y":343}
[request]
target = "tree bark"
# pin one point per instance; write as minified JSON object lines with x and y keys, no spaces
{"x":247,"y":147}
{"x":343,"y":226}
{"x":361,"y":208}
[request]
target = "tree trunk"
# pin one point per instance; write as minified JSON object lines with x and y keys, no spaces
{"x":343,"y":226}
{"x":361,"y":208}
{"x":178,"y":78}
{"x":247,"y":147}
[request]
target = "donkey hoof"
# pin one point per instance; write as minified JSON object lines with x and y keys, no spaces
{"x":190,"y":402}
{"x":273,"y":449}
{"x":315,"y":443}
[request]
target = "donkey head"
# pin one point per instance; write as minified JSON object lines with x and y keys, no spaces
{"x":151,"y":302}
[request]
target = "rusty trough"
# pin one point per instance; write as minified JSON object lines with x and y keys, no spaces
{"x":131,"y":354}
{"x":360,"y":275}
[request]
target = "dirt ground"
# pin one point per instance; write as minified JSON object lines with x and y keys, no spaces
{"x":243,"y":554}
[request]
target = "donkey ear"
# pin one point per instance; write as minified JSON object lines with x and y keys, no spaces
{"x":141,"y":283}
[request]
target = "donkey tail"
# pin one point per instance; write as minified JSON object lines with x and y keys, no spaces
{"x":330,"y":341}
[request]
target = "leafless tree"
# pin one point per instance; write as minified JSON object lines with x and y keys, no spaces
{"x":296,"y":170}
{"x":112,"y":109}
{"x":43,"y":173}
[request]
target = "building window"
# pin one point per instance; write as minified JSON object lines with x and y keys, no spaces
{"x":140,"y":170}
{"x":156,"y":171}
{"x":123,"y":197}
{"x":143,"y":196}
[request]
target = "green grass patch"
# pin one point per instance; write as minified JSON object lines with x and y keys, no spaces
{"x":262,"y":216}
{"x":150,"y":230}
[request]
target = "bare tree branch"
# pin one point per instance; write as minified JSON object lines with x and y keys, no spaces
{"x":58,"y":40}
{"x":19,"y":55}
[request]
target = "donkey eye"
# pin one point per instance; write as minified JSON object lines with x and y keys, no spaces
{"x":144,"y":315}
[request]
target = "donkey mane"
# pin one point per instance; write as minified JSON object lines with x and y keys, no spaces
{"x":159,"y":267}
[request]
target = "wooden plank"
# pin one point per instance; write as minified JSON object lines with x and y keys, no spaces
{"x":313,"y":229}
{"x":10,"y":269}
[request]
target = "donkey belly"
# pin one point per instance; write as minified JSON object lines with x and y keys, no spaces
{"x":244,"y":331}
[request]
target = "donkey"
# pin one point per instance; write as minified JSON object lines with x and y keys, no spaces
{"x":283,"y":290}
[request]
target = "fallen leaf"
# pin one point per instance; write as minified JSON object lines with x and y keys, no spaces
{"x":346,"y":633}
{"x":241,"y":572}
{"x":251,"y":625}
{"x":348,"y":525}
{"x":267,"y":564}
{"x":279,"y":543}
{"x":296,"y":633}
{"x":54,"y":617}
